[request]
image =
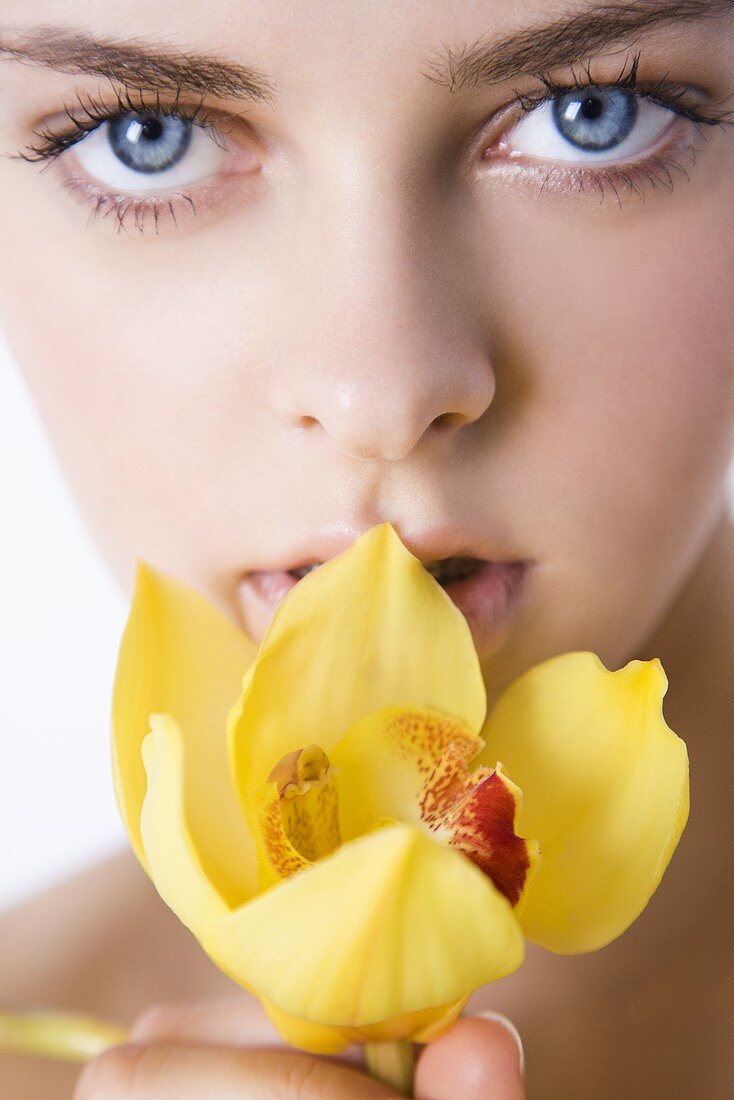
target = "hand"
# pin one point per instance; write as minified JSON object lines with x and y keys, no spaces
{"x":226,"y":1049}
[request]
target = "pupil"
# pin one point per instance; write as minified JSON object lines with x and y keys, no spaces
{"x":152,"y":129}
{"x":591,"y":107}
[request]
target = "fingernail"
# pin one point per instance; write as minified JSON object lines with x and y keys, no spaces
{"x":509,"y":1026}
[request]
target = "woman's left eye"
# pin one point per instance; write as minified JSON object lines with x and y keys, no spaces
{"x":146,"y":152}
{"x":590,"y":125}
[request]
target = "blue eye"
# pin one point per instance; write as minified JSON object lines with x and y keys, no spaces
{"x":149,"y":143}
{"x":143,"y":152}
{"x":595,"y":119}
{"x":590,"y":125}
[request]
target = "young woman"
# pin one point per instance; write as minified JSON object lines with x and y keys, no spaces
{"x":275,"y":273}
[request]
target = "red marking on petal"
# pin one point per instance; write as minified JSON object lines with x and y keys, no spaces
{"x":483,"y":829}
{"x":476,"y":814}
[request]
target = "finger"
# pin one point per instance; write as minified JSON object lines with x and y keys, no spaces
{"x":235,"y":1020}
{"x":479,"y":1059}
{"x":167,"y":1071}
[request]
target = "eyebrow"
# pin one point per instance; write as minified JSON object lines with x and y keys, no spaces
{"x":567,"y":39}
{"x":571,"y":38}
{"x":138,"y":64}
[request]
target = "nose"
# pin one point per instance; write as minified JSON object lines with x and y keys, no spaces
{"x":380,"y":352}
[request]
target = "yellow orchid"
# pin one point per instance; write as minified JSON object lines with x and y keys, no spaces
{"x":342,"y":827}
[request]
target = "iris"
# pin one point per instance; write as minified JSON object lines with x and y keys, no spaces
{"x":149,"y":143}
{"x":596,"y":119}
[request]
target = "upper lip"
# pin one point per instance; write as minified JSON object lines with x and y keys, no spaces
{"x":427,"y":544}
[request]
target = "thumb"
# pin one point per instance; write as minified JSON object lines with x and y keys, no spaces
{"x":479,"y":1059}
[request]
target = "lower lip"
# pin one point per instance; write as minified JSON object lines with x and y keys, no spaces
{"x":488,"y":599}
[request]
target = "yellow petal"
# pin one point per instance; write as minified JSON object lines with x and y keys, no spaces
{"x":180,"y":656}
{"x":367,"y":629}
{"x":392,"y":923}
{"x":384,"y":762}
{"x":605,"y":786}
{"x":316,"y":1038}
{"x":174,"y":863}
{"x":419,"y":1027}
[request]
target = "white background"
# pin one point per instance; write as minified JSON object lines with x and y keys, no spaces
{"x":60,"y":622}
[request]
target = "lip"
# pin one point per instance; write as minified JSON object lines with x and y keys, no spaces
{"x":488,"y":599}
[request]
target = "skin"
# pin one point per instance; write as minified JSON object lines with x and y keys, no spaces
{"x":381,"y":327}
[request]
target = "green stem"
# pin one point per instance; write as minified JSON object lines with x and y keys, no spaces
{"x":72,"y":1037}
{"x":392,"y":1064}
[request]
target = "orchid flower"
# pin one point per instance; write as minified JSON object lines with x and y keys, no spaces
{"x":342,"y":826}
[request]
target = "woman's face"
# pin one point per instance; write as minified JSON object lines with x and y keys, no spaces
{"x":354,"y":289}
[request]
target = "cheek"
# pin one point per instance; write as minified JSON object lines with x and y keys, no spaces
{"x":644,"y":405}
{"x":628,"y":422}
{"x":135,"y":375}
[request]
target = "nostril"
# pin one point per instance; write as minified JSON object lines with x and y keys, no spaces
{"x":448,"y":420}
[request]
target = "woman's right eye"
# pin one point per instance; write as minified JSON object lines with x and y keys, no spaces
{"x":144,"y":161}
{"x":147,"y":152}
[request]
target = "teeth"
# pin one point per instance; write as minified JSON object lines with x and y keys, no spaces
{"x":449,"y":570}
{"x":446,"y":571}
{"x":304,"y":569}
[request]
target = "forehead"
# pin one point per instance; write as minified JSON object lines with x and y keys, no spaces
{"x":280,"y":24}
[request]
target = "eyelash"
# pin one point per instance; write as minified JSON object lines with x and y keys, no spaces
{"x":635,"y":176}
{"x":94,"y":112}
{"x":638,"y":175}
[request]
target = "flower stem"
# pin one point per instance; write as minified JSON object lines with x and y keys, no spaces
{"x":74,"y":1037}
{"x":69,"y":1036}
{"x":392,"y":1064}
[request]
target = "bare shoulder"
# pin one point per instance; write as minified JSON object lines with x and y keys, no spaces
{"x":102,"y":942}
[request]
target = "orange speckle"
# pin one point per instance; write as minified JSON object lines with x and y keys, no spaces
{"x":422,"y":736}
